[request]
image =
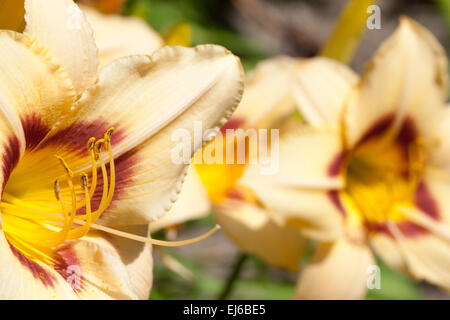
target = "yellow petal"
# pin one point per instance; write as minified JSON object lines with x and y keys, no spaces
{"x":192,"y":203}
{"x":255,"y":233}
{"x":21,"y":278}
{"x":33,"y":85}
{"x":12,"y":15}
{"x":321,"y":89}
{"x":337,"y":270}
{"x":267,"y":97}
{"x":94,"y":267}
{"x":117,"y":36}
{"x":406,"y":78}
{"x":61,"y":27}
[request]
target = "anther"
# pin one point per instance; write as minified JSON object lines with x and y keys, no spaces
{"x":99,"y":145}
{"x":84,"y":179}
{"x":65,"y":166}
{"x":90,"y":144}
{"x":57,"y":190}
{"x":107,"y":138}
{"x":108,"y":134}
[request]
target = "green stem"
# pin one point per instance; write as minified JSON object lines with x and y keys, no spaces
{"x":234,"y":275}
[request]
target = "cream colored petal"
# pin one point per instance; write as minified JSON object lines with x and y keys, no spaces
{"x":435,"y":189}
{"x":388,"y":250}
{"x":255,"y":233}
{"x":21,"y":278}
{"x":117,"y":36}
{"x":305,"y":158}
{"x":12,"y":141}
{"x":33,"y":88}
{"x":338,"y":270}
{"x":150,"y":101}
{"x":113,"y":267}
{"x":192,"y":203}
{"x":406,"y":78}
{"x":303,"y":191}
{"x":440,"y":155}
{"x":431,"y":212}
{"x":268,"y":97}
{"x":94,"y":267}
{"x":62,"y":28}
{"x":427,"y":257}
{"x":312,"y":212}
{"x":321,"y":89}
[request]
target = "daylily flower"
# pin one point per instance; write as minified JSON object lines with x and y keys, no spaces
{"x":268,"y":102}
{"x":369,"y":170}
{"x":86,"y":153}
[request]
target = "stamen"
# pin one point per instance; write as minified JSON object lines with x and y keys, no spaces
{"x":61,"y":201}
{"x":107,"y":138}
{"x":111,"y":166}
{"x":35,"y":228}
{"x":82,"y":231}
{"x":68,"y":218}
{"x":65,"y":166}
{"x":150,"y":240}
{"x":103,"y":202}
{"x":98,"y":146}
{"x":57,"y":190}
{"x":90,"y":147}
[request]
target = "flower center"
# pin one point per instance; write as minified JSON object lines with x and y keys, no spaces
{"x":34,"y":228}
{"x":382,"y":174}
{"x":220,"y":178}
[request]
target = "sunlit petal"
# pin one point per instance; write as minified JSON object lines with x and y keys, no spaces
{"x":337,"y":270}
{"x":61,"y":27}
{"x":406,"y":78}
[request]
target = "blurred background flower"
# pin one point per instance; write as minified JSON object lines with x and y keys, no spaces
{"x":256,"y":30}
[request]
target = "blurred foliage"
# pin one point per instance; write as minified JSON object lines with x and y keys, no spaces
{"x":257,"y":281}
{"x":444,"y":7}
{"x":260,"y":285}
{"x":206,"y":23}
